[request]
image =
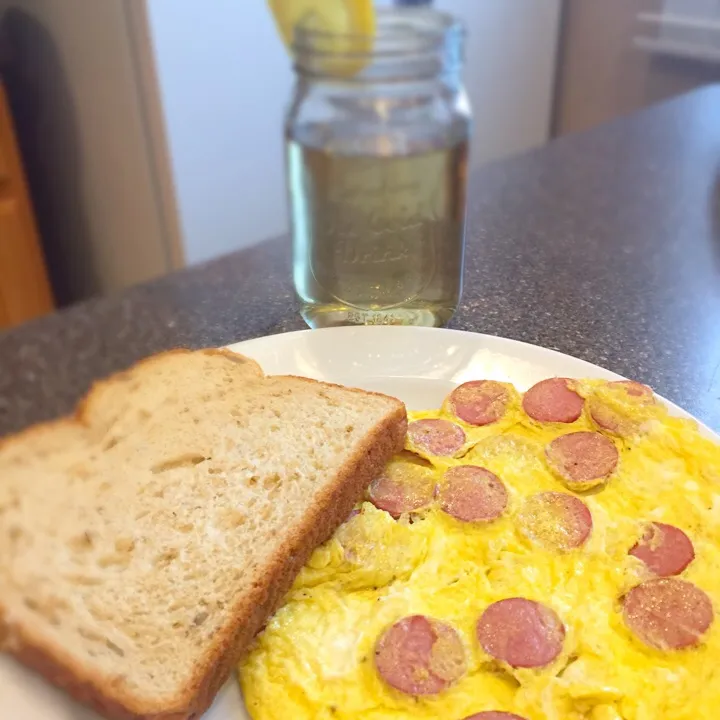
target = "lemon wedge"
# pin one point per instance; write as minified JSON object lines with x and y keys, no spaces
{"x":337,"y":17}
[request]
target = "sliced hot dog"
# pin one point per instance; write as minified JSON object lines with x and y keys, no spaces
{"x":521,"y":632}
{"x":436,"y":436}
{"x":402,"y":488}
{"x":634,"y":388}
{"x":665,"y":549}
{"x":612,"y":419}
{"x":419,"y":655}
{"x":494,"y":715}
{"x":472,"y":494}
{"x":668,"y":613}
{"x":555,"y":521}
{"x":582,"y":460}
{"x":553,"y":400}
{"x":479,"y":402}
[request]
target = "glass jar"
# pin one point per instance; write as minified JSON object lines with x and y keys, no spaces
{"x":377,"y":143}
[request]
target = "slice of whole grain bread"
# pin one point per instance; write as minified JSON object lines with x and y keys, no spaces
{"x":144,"y":542}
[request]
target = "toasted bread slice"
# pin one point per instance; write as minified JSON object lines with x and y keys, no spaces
{"x":144,"y":542}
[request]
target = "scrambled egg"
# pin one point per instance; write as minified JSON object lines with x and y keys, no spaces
{"x":315,"y":659}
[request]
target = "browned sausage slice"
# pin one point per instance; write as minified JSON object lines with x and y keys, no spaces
{"x":582,"y":459}
{"x":401,"y":489}
{"x":665,"y":549}
{"x":553,"y":400}
{"x":610,"y":419}
{"x":634,"y":388}
{"x":419,"y":655}
{"x":479,"y":402}
{"x":668,"y":613}
{"x":556,"y":521}
{"x":472,"y":494}
{"x":521,"y":632}
{"x":436,"y":436}
{"x":494,"y":715}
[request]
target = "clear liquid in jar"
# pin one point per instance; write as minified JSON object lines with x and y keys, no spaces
{"x":377,"y":239}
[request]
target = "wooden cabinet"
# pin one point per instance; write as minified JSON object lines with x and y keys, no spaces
{"x":24,"y":287}
{"x":4,"y":167}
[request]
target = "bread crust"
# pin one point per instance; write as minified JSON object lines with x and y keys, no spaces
{"x":83,"y":407}
{"x":109,"y":696}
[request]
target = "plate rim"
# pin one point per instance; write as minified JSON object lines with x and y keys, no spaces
{"x":243,"y":346}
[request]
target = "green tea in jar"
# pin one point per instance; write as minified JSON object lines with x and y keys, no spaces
{"x":377,"y":165}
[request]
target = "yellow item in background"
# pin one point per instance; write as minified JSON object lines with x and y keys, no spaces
{"x":341,"y":17}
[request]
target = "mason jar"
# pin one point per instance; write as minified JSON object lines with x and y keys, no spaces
{"x":377,"y":145}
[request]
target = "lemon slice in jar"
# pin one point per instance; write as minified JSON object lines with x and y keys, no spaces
{"x":348,"y":27}
{"x":341,"y":17}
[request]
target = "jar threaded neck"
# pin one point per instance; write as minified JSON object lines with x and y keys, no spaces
{"x":409,"y":44}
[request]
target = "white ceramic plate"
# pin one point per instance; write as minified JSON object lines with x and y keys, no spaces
{"x":418,"y":365}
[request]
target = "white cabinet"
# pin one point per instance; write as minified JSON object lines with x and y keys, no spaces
{"x":509,"y":72}
{"x":224,"y":79}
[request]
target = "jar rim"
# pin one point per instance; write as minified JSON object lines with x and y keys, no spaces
{"x":398,"y":31}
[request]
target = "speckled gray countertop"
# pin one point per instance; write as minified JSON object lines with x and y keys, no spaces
{"x":603,"y":245}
